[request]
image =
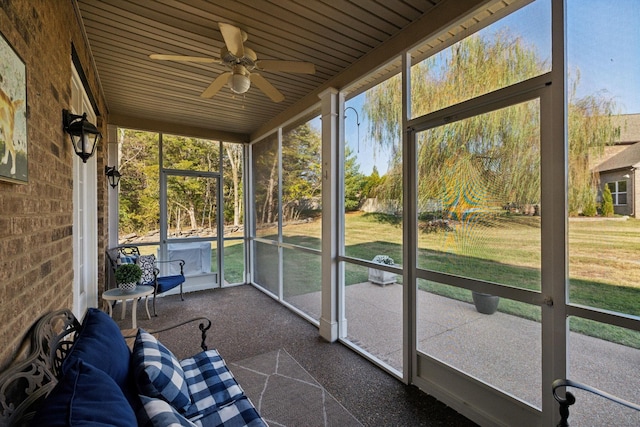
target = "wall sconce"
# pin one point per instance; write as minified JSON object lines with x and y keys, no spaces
{"x":84,"y":135}
{"x":113,"y":176}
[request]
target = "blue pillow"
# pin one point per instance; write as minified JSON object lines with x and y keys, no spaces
{"x":157,"y":372}
{"x":85,"y":396}
{"x":101,"y":344}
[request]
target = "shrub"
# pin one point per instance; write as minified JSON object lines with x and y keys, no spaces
{"x":607,"y":202}
{"x":590,"y":208}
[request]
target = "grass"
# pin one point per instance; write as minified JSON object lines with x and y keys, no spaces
{"x":602,"y":266}
{"x":604,"y":272}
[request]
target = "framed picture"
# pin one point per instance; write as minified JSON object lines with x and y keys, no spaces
{"x":13,"y":115}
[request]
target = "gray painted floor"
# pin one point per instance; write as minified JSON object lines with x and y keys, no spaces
{"x":500,"y":349}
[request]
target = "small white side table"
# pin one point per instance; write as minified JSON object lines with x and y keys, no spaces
{"x":118,"y":294}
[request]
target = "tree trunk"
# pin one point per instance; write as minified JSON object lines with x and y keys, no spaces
{"x":235,"y":176}
{"x":268,"y":203}
{"x":192,"y":216}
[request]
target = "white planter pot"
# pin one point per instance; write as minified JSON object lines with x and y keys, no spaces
{"x":127,"y":287}
{"x":381,"y":277}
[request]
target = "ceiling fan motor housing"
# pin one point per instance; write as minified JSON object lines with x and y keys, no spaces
{"x":248,"y":60}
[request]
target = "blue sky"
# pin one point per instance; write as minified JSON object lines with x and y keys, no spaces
{"x":603,"y":44}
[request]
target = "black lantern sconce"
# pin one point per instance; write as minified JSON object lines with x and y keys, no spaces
{"x":113,"y":176}
{"x":84,"y":135}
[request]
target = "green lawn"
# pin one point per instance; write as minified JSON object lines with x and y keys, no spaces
{"x":604,"y":271}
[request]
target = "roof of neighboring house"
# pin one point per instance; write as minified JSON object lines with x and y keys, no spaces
{"x":629,"y":156}
{"x":629,"y":127}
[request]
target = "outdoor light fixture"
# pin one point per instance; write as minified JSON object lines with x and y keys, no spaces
{"x":84,"y":135}
{"x":113,"y":176}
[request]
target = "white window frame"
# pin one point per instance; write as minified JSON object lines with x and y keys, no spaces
{"x":616,"y":193}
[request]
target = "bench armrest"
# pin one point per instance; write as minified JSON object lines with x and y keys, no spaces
{"x":204,"y":326}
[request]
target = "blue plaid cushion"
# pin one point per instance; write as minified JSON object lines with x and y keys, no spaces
{"x":158,"y":413}
{"x":157,"y":372}
{"x":210,"y":382}
{"x":127,"y":259}
{"x":240,"y":412}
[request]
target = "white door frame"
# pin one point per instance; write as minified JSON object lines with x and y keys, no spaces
{"x":85,"y":213}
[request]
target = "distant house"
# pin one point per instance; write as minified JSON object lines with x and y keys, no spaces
{"x":619,"y":167}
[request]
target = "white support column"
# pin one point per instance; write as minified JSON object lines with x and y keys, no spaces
{"x":330,"y":149}
{"x":113,"y":159}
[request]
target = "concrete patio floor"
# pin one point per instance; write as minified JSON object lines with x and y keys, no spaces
{"x":500,"y":349}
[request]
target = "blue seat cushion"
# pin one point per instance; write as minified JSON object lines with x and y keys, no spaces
{"x":101,"y":344}
{"x":85,"y":396}
{"x":211,"y":384}
{"x":169,"y":282}
{"x":240,"y":412}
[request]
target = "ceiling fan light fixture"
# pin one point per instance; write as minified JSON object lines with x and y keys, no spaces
{"x":239,"y":81}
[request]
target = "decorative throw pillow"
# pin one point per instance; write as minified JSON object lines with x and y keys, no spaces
{"x":158,"y":413}
{"x":101,"y":344}
{"x":85,"y":396}
{"x":147,"y":263}
{"x":127,"y":259}
{"x":158,"y":373}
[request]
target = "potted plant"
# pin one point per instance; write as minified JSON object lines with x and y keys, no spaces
{"x":128,"y":276}
{"x":382,"y":277}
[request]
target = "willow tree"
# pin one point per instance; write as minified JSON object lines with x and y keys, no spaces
{"x":590,"y":129}
{"x":502,"y":145}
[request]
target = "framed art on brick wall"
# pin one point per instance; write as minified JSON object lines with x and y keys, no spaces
{"x":13,"y":115}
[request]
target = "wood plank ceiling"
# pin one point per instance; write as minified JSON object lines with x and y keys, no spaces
{"x":332,"y":34}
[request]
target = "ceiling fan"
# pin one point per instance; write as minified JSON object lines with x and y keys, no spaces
{"x":241,"y":62}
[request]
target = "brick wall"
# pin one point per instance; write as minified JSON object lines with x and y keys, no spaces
{"x":36,"y":219}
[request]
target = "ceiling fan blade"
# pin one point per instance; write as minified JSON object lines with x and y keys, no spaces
{"x":286,"y":66}
{"x":180,"y":58}
{"x":233,"y":38}
{"x":266,"y":87}
{"x":216,"y":85}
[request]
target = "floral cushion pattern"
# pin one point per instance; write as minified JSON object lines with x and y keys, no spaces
{"x":147,"y":263}
{"x":158,"y":373}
